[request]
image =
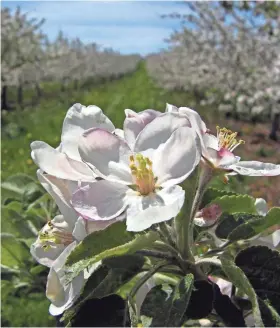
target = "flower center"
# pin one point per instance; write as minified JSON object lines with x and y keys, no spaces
{"x":53,"y":234}
{"x":142,"y":171}
{"x":227,"y":139}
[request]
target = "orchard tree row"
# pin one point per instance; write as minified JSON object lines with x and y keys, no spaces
{"x":29,"y":59}
{"x":227,"y":52}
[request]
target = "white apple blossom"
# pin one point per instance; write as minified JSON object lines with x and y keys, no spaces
{"x":142,"y":181}
{"x":217,"y":151}
{"x":63,"y":229}
{"x":58,"y":238}
{"x":65,"y":162}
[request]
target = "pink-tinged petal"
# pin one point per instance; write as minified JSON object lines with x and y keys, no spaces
{"x":142,"y":212}
{"x":177,"y":158}
{"x":78,"y":119}
{"x":61,"y":190}
{"x":222,"y":158}
{"x":208,"y":215}
{"x":226,"y":158}
{"x":108,"y":153}
{"x":195,"y":119}
{"x":159,"y":131}
{"x":135,"y":123}
{"x":101,"y":200}
{"x":255,"y":168}
{"x":59,"y":164}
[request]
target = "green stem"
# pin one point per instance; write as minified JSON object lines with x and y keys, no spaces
{"x":157,"y":254}
{"x":183,"y":219}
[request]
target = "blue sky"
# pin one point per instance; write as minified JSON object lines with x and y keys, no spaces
{"x":126,"y":26}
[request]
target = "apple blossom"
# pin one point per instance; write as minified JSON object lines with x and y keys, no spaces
{"x":217,"y":151}
{"x":138,"y":181}
{"x":207,"y":216}
{"x":65,"y":162}
{"x":63,"y":229}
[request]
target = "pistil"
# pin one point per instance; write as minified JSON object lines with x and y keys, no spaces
{"x":142,"y":171}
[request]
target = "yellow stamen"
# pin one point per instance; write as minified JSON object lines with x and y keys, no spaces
{"x":143,"y":174}
{"x":227,"y":139}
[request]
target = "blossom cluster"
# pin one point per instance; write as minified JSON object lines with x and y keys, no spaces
{"x":99,"y":175}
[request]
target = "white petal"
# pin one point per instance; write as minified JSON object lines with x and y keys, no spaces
{"x":211,"y":141}
{"x":142,"y":293}
{"x":261,"y":206}
{"x":164,"y":205}
{"x":84,"y":227}
{"x":135,"y":123}
{"x":159,"y":131}
{"x":254,"y":168}
{"x":101,"y":200}
{"x":61,"y":295}
{"x":43,"y":256}
{"x":195,"y":119}
{"x":177,"y":158}
{"x":61,"y":191}
{"x":108,"y":153}
{"x":78,"y":119}
{"x":119,"y":133}
{"x":59,"y":164}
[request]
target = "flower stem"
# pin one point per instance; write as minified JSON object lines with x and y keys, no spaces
{"x":182,"y":221}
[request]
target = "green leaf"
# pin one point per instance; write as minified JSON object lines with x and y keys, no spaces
{"x":236,"y":204}
{"x":270,"y":316}
{"x":14,"y":223}
{"x":212,"y":193}
{"x":228,"y":223}
{"x":112,"y":241}
{"x":261,"y":265}
{"x":166,"y":307}
{"x":31,"y":193}
{"x":14,"y":253}
{"x":239,"y":279}
{"x":256,"y":225}
{"x":107,"y":279}
{"x":14,"y":186}
{"x":180,"y":300}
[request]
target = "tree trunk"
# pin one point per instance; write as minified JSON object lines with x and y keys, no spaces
{"x":19,"y":95}
{"x":275,"y":127}
{"x":38,"y":90}
{"x":4,"y":100}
